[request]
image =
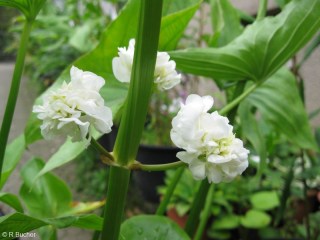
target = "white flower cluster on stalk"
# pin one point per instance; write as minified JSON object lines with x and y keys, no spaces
{"x":165,"y":75}
{"x":75,"y":107}
{"x":211,"y":149}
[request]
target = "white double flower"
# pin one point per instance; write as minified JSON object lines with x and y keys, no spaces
{"x":211,"y":149}
{"x":75,"y":107}
{"x":165,"y":75}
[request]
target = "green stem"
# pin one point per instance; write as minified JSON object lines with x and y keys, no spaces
{"x":196,"y":207}
{"x":237,"y":92}
{"x":14,"y":91}
{"x":170,"y":190}
{"x":101,"y":149}
{"x":262,"y":9}
{"x":155,"y":167}
{"x":141,"y":83}
{"x":205,"y":215}
{"x":236,"y":101}
{"x":134,"y":114}
{"x":116,"y":199}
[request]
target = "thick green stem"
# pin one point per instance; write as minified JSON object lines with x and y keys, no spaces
{"x":134,"y":114}
{"x":172,"y":186}
{"x":141,"y":83}
{"x":14,"y":91}
{"x":262,"y":9}
{"x":116,"y":199}
{"x":205,"y":215}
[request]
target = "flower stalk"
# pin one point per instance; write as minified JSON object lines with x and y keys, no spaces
{"x":205,"y":215}
{"x":156,"y":167}
{"x":14,"y":91}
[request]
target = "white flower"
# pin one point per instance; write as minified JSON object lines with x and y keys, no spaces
{"x":75,"y":107}
{"x":211,"y":150}
{"x":165,"y":75}
{"x":122,"y":65}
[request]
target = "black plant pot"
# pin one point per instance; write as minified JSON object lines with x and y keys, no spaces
{"x":149,"y":181}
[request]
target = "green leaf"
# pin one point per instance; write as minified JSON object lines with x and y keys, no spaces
{"x":255,"y":219}
{"x":151,"y":227}
{"x":264,"y":200}
{"x":48,"y":196}
{"x":172,"y":6}
{"x":12,"y":156}
{"x":66,"y":153}
{"x":91,"y":221}
{"x":274,"y":98}
{"x":18,"y":223}
{"x":11,"y":200}
{"x":173,"y":26}
{"x":226,"y":222}
{"x":260,"y":51}
{"x":30,"y":8}
{"x":252,"y":131}
{"x":225,"y":21}
{"x":21,"y":223}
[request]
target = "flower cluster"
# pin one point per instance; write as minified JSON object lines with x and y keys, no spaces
{"x":211,"y":149}
{"x":165,"y":75}
{"x":75,"y":107}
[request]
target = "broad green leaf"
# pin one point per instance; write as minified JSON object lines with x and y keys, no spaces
{"x":225,"y":21}
{"x":279,"y":102}
{"x":253,"y":133}
{"x":11,"y":200}
{"x":147,"y":227}
{"x":18,"y":222}
{"x":113,"y":92}
{"x":255,"y":219}
{"x":12,"y":156}
{"x":260,"y":51}
{"x":30,"y":8}
{"x":226,"y":222}
{"x":48,"y":196}
{"x":264,"y":200}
